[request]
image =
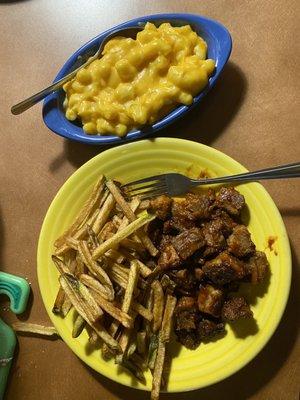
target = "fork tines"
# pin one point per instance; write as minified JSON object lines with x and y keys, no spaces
{"x":147,"y":187}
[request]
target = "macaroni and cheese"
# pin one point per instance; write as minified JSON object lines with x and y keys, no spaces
{"x":136,"y":82}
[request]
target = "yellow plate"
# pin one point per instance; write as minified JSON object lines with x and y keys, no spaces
{"x":211,"y":362}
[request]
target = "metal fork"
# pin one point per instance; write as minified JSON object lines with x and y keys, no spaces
{"x":174,"y":184}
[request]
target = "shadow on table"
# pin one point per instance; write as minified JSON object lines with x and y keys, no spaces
{"x":203,"y":124}
{"x":290,"y":212}
{"x":255,"y":375}
{"x":209,"y":120}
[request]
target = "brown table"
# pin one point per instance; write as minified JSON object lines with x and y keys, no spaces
{"x":252,"y":115}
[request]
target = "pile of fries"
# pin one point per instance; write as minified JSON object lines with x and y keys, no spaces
{"x":117,"y":298}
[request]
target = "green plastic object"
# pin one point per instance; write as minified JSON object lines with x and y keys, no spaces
{"x":17,"y":289}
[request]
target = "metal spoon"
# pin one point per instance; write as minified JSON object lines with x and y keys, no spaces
{"x":82,"y":62}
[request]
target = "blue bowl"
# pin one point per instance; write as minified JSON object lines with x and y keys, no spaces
{"x":219,"y":46}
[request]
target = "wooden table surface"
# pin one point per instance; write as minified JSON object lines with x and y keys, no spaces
{"x":252,"y":115}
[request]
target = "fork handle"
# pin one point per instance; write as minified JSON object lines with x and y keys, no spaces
{"x":280,"y":172}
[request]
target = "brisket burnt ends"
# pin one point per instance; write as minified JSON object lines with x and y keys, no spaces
{"x":207,"y":251}
{"x":236,"y":308}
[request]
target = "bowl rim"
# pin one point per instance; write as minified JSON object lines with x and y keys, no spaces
{"x":275,"y":321}
{"x":56,"y":121}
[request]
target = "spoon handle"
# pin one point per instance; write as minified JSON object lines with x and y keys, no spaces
{"x":35,"y":98}
{"x":130,"y":31}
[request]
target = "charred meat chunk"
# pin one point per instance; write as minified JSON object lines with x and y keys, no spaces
{"x":154,"y":230}
{"x":230,"y":200}
{"x":199,"y":274}
{"x":210,"y":300}
{"x":181,"y":218}
{"x":187,"y":242}
{"x":257,"y":267}
{"x":186,"y":284}
{"x":169,"y":228}
{"x":235,"y":309}
{"x":165,"y":240}
{"x":189,"y":339}
{"x":223,"y":222}
{"x":168,"y":258}
{"x":186,"y":213}
{"x":223,"y":269}
{"x":182,"y":274}
{"x":214,"y":239}
{"x":208,"y":329}
{"x":161,"y":206}
{"x":186,"y":303}
{"x":240,"y":243}
{"x":198,"y":260}
{"x":200,"y":205}
{"x":186,"y":319}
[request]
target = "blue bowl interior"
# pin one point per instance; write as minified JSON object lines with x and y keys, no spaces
{"x":219,"y":48}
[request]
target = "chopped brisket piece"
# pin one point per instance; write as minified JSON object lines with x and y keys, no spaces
{"x":257,"y":267}
{"x":187,"y":242}
{"x":200,"y":205}
{"x":230,"y":200}
{"x":165,"y":240}
{"x":186,"y":319}
{"x":181,"y":218}
{"x":235,"y":309}
{"x":161,"y":206}
{"x":240,"y":243}
{"x":194,"y":207}
{"x":214,"y":239}
{"x":169,"y":228}
{"x":189,"y":339}
{"x":199,"y":274}
{"x":224,"y":269}
{"x":223,"y":222}
{"x":186,"y":303}
{"x":155,"y":230}
{"x":187,"y":288}
{"x":185,"y":281}
{"x":168,"y":258}
{"x":207,"y":329}
{"x":182,"y":274}
{"x":197,"y":259}
{"x":210,"y":300}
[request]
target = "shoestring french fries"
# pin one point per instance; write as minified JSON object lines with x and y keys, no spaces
{"x":34,"y":329}
{"x":116,"y":297}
